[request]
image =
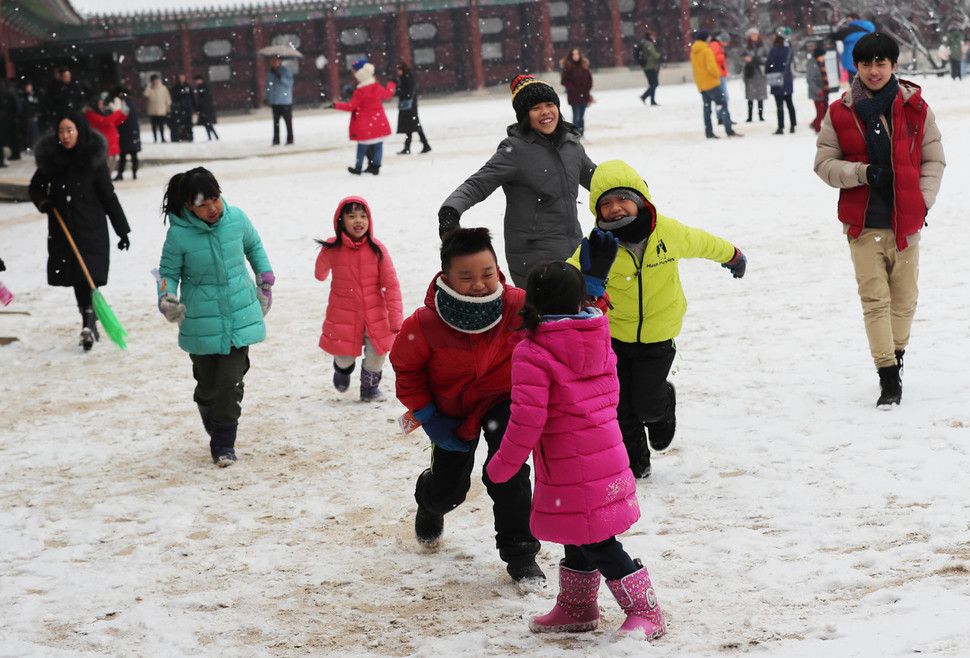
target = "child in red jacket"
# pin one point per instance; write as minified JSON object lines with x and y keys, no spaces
{"x":368,"y":122}
{"x":452,"y":360}
{"x":365,"y":298}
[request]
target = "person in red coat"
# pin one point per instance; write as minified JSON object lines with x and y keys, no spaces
{"x":453,"y":363}
{"x":106,"y":121}
{"x":578,"y":82}
{"x":368,"y":122}
{"x":365,"y":298}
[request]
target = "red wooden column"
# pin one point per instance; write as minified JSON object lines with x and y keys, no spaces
{"x":333,"y":66}
{"x":404,"y":40}
{"x":545,"y":36}
{"x":617,"y":33}
{"x":185,"y":51}
{"x":259,"y":66}
{"x":685,"y":30}
{"x":478,"y":69}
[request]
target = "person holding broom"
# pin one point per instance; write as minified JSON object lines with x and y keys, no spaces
{"x":73,"y":180}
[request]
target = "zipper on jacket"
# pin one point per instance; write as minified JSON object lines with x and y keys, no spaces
{"x":639,"y":269}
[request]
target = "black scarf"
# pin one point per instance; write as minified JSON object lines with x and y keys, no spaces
{"x":870,"y":110}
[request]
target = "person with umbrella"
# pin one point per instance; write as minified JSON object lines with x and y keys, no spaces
{"x":278,"y":94}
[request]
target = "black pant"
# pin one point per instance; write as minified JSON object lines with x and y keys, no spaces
{"x":652,"y":84}
{"x":443,"y":487}
{"x":210,"y":131}
{"x":286,"y":112}
{"x":158,"y":127}
{"x":642,"y":369}
{"x":607,"y":557}
{"x":780,"y":102}
{"x":219,"y":382}
{"x":134,"y":163}
{"x":83,"y":295}
{"x":407,"y":140}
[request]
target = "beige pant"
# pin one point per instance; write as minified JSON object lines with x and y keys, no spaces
{"x":887,"y":287}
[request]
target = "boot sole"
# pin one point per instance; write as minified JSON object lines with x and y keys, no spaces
{"x":582,"y":627}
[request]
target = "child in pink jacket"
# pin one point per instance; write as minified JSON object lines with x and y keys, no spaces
{"x":365,"y":298}
{"x":564,"y":396}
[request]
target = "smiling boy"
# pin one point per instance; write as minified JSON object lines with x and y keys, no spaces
{"x":452,"y":361}
{"x":881,"y":146}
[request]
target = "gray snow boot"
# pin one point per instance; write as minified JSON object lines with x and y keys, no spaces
{"x":341,"y":376}
{"x":369,"y":382}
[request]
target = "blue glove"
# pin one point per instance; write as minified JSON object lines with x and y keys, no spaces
{"x":439,"y":429}
{"x":736,"y":264}
{"x":596,"y":256}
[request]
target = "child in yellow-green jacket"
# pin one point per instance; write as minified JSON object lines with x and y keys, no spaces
{"x":647,"y":299}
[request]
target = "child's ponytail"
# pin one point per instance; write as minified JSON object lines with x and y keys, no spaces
{"x":555,"y":288}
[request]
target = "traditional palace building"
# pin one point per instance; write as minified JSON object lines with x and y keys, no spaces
{"x":453,"y":44}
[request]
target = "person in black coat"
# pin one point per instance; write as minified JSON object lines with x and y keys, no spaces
{"x":129,"y":136}
{"x":205,"y":107}
{"x":407,"y":109}
{"x":63,"y":94}
{"x":181,"y":118}
{"x":72,"y":177}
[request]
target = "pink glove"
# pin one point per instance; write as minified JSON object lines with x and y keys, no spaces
{"x":264,"y":291}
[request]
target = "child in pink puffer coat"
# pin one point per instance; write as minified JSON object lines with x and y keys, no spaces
{"x":365,"y":298}
{"x":564,"y":395}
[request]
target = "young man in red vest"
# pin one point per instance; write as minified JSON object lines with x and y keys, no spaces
{"x":881,"y":146}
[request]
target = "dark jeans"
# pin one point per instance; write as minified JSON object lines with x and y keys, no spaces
{"x":780,"y":102}
{"x":374,"y":153}
{"x":443,"y":487}
{"x":286,"y":113}
{"x":158,"y":127}
{"x":716,"y":96}
{"x":579,"y":117}
{"x":219,"y":382}
{"x":642,"y":369}
{"x":652,"y":85}
{"x":607,"y":557}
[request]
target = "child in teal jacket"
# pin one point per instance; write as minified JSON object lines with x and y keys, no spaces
{"x":220,"y":311}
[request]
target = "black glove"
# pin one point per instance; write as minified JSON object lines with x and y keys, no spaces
{"x":2,"y":266}
{"x":880,"y":179}
{"x":596,"y":256}
{"x":329,"y":106}
{"x":447,"y":221}
{"x":46,"y":206}
{"x":736,"y":264}
{"x":123,"y":243}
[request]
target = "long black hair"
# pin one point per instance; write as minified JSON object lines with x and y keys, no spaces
{"x":554,"y":288}
{"x":183,"y":189}
{"x":337,"y":243}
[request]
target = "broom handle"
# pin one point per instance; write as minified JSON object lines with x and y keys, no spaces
{"x":74,"y":247}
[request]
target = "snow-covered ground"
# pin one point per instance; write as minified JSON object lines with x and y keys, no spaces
{"x":789,"y":517}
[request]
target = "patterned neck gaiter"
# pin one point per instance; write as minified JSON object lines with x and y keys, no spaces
{"x":470,"y":315}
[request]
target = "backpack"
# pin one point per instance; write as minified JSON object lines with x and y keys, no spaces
{"x":638,"y":53}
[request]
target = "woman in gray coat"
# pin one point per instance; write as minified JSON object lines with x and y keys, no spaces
{"x":540,"y":166}
{"x":755,"y":85}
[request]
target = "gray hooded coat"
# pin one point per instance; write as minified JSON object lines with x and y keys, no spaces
{"x":541,"y":178}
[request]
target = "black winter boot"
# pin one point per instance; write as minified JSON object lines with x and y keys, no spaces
{"x":428,"y":527}
{"x":206,"y":414}
{"x":89,"y":328}
{"x":639,"y":454}
{"x":341,"y":376}
{"x":891,"y":387}
{"x":520,"y":563}
{"x":354,"y":170}
{"x":222,"y":444}
{"x":899,"y":360}
{"x":761,"y":110}
{"x":662,"y":433}
{"x":750,"y":110}
{"x":373,"y":169}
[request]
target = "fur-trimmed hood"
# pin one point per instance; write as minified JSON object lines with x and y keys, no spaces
{"x":52,"y":157}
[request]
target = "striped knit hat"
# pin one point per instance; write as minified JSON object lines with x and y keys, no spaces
{"x":527,"y":91}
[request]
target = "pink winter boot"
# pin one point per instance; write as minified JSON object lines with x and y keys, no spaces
{"x":635,"y":595}
{"x":576,"y":609}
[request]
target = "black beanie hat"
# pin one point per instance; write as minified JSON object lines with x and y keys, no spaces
{"x":528,"y":91}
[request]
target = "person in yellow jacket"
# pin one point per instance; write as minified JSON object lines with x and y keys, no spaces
{"x":647,"y":300}
{"x":707,"y":77}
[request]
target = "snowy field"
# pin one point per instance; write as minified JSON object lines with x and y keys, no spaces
{"x":790,"y":517}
